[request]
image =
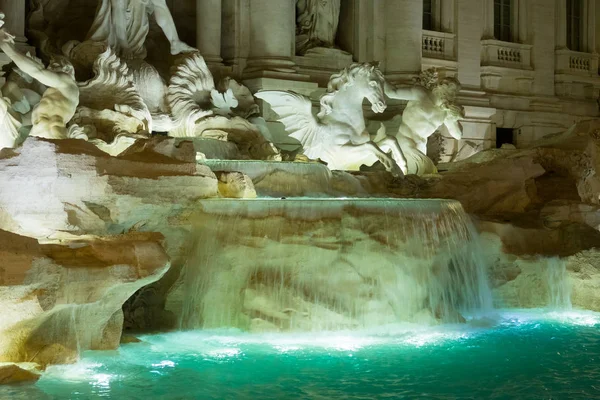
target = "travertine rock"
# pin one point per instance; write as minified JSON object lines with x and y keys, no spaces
{"x":560,"y":212}
{"x":499,"y":186}
{"x":11,"y":373}
{"x":59,"y":300}
{"x":57,"y":189}
{"x":494,"y":185}
{"x":584,"y":271}
{"x":235,"y":185}
{"x":525,"y":235}
{"x":102,"y":222}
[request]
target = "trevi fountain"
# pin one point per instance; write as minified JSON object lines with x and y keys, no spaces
{"x":161,"y":241}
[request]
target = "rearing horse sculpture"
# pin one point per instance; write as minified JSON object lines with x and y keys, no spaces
{"x":338,"y":135}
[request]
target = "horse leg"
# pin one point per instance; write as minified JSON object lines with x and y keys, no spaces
{"x":388,"y":162}
{"x":391,"y":143}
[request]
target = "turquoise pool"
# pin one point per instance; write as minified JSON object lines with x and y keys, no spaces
{"x":513,"y":354}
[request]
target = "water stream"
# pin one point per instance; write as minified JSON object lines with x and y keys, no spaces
{"x":323,"y":264}
{"x":559,"y":285}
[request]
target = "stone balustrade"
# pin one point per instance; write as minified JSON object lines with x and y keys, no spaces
{"x":506,"y":54}
{"x":439,"y":45}
{"x":576,"y":62}
{"x":576,"y":74}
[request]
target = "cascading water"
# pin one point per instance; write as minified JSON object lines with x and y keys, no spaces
{"x":312,"y":264}
{"x":559,"y":285}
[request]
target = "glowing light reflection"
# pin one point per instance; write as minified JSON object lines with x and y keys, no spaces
{"x":78,"y":372}
{"x":567,"y":317}
{"x":432,"y":338}
{"x":578,"y":318}
{"x":165,"y":363}
{"x":101,"y":380}
{"x":224,"y":353}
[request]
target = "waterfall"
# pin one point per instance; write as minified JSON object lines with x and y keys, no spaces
{"x":559,"y":285}
{"x":324,"y":264}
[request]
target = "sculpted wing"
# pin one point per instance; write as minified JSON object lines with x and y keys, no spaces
{"x":189,"y":94}
{"x":112,"y":88}
{"x":295,"y":113}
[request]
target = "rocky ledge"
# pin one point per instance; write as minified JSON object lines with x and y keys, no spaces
{"x":81,"y":232}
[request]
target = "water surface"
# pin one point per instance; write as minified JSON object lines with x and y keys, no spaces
{"x":514,"y":354}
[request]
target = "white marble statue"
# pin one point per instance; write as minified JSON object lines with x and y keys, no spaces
{"x":316,"y":24}
{"x":338,"y":135}
{"x":431,"y":104}
{"x":124,"y":25}
{"x":59,"y":102}
{"x":111,"y":109}
{"x":10,"y":125}
{"x":199,"y":109}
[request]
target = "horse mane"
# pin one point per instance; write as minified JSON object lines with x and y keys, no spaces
{"x":343,"y":79}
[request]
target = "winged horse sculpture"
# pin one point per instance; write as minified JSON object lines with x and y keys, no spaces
{"x":338,"y":135}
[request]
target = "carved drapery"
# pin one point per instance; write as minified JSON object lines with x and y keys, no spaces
{"x":316,"y":24}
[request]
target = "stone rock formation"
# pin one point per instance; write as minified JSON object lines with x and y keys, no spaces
{"x":19,"y":373}
{"x":235,"y":185}
{"x":58,"y":300}
{"x":82,"y":232}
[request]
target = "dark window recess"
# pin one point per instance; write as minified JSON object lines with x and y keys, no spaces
{"x":574,"y":24}
{"x":428,"y":15}
{"x":504,"y":136}
{"x":502,"y":20}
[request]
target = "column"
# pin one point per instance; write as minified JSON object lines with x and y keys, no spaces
{"x":561,"y":24}
{"x":590,"y":26}
{"x":358,"y":32}
{"x":543,"y":41}
{"x":488,"y":19}
{"x":272,"y":37}
{"x":403,"y":38}
{"x":14,"y":11}
{"x":447,"y":11}
{"x":14,"y":22}
{"x":597,"y":29}
{"x":208,"y":30}
{"x":469,"y":30}
{"x":523,"y":21}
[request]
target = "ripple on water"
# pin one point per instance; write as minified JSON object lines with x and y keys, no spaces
{"x":515,"y":354}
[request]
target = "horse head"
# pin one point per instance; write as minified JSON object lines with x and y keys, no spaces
{"x":364,"y":80}
{"x":372,"y":86}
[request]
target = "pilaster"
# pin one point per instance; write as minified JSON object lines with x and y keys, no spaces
{"x":272,"y":38}
{"x":403,"y":39}
{"x":208,"y":30}
{"x":470,"y":29}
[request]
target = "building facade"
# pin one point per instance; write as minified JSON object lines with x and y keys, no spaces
{"x":528,"y":68}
